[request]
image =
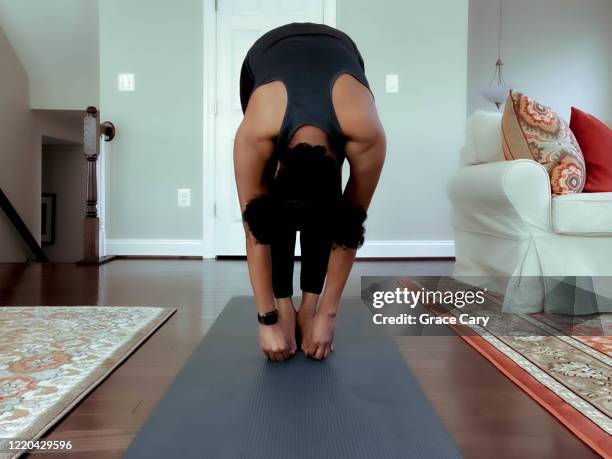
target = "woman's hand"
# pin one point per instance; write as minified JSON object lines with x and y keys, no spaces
{"x":322,"y":335}
{"x":274,"y":342}
{"x":278,"y":341}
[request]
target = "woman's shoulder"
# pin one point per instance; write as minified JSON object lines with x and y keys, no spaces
{"x":265,"y":111}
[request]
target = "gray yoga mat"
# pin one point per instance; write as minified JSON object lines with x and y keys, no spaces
{"x":229,"y":402}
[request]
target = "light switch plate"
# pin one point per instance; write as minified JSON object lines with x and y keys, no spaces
{"x":126,"y":82}
{"x":392,"y":82}
{"x":184,"y":197}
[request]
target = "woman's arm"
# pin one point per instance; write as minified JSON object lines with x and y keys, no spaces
{"x":250,"y":158}
{"x":366,"y":160}
{"x":251,"y":154}
{"x":365,"y":152}
{"x":253,"y":148}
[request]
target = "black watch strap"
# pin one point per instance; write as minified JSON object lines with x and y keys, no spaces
{"x":269,"y":318}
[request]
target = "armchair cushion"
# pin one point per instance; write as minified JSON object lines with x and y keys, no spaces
{"x":584,"y":214}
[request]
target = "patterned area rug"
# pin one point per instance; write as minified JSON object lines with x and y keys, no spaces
{"x":52,"y":357}
{"x":568,"y":373}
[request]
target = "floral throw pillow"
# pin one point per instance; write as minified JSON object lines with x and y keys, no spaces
{"x":532,"y":131}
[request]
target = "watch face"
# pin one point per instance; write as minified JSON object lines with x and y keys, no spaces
{"x":269,"y":318}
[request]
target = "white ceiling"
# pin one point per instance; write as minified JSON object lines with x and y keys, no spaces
{"x":57,"y":43}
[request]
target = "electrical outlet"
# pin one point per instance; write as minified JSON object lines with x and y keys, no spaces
{"x":184,"y":197}
{"x":126,"y":82}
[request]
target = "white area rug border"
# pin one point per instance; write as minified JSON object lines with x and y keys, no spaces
{"x":194,"y":247}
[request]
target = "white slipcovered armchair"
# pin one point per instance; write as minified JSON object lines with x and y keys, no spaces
{"x":508,"y":226}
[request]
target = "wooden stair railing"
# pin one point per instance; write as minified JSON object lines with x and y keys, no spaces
{"x":92,"y":129}
{"x":21,"y":228}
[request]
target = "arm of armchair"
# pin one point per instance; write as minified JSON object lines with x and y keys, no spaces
{"x":507,"y":199}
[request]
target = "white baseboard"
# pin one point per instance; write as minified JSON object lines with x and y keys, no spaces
{"x":371,"y":249}
{"x":154,"y":247}
{"x":407,"y":249}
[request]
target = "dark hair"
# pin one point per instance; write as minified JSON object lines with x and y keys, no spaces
{"x":307,"y":190}
{"x":309,"y":175}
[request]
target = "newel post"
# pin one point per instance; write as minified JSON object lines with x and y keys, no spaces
{"x":91,"y":148}
{"x":91,"y":223}
{"x":92,"y":128}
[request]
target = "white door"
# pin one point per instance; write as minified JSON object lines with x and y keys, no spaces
{"x":239,"y":24}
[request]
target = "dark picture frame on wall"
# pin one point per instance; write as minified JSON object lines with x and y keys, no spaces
{"x":47,"y":230}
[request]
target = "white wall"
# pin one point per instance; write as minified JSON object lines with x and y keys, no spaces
{"x":66,"y":125}
{"x":557,"y":51}
{"x":19,"y":155}
{"x":426,"y":44}
{"x":57,"y":43}
{"x":158,"y":148}
{"x":609,"y":118}
{"x":21,"y":132}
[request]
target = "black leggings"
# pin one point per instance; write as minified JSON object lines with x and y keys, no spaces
{"x":315,"y":244}
{"x":316,"y":248}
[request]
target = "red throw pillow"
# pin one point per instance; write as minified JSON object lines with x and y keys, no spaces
{"x":595,"y":140}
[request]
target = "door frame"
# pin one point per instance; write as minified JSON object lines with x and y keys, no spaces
{"x":209,"y":127}
{"x":102,"y":199}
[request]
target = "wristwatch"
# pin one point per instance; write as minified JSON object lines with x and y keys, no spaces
{"x":269,"y":318}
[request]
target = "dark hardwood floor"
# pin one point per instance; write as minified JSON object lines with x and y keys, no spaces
{"x":486,"y":414}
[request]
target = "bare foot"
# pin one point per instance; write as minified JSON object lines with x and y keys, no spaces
{"x":305,"y":318}
{"x":322,"y":336}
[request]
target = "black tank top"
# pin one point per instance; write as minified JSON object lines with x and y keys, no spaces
{"x":307,"y":58}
